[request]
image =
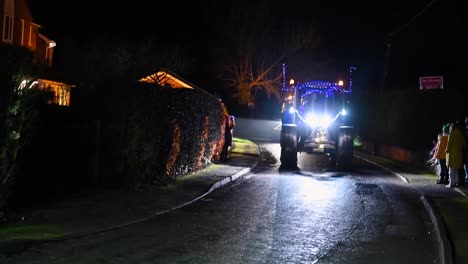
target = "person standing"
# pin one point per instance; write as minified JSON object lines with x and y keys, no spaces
{"x":440,"y":156}
{"x":232,"y":124}
{"x":464,"y":176}
{"x":454,"y":154}
{"x":228,"y":135}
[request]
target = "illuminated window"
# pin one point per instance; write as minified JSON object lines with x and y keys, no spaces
{"x":62,"y":98}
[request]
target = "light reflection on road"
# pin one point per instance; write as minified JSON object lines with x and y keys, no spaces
{"x":311,"y":192}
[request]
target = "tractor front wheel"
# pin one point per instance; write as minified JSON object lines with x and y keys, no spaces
{"x":288,"y":143}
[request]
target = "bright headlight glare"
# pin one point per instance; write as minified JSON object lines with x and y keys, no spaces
{"x":318,"y":121}
{"x":325,"y":121}
{"x":343,"y":112}
{"x":312,"y":120}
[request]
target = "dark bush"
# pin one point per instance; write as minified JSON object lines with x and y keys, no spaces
{"x":18,"y":114}
{"x":169,"y":133}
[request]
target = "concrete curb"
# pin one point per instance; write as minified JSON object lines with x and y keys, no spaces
{"x":213,"y":187}
{"x":143,"y":219}
{"x":24,"y":244}
{"x":445,"y":247}
{"x":229,"y":179}
{"x":403,"y":178}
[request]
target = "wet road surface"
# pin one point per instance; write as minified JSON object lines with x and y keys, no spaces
{"x":312,"y":215}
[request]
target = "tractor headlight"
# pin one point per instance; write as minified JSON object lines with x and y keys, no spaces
{"x":325,"y":121}
{"x":312,"y":120}
{"x":322,"y":121}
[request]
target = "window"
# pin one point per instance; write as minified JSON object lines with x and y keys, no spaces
{"x":62,"y":95}
{"x":30,"y":34}
{"x":8,"y":29}
{"x":9,"y":14}
{"x":22,"y":32}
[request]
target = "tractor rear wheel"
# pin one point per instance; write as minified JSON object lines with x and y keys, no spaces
{"x":345,"y":147}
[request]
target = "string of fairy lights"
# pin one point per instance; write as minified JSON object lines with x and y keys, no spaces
{"x":320,"y":87}
{"x":284,"y":77}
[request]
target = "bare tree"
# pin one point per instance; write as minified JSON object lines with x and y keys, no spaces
{"x":258,"y":45}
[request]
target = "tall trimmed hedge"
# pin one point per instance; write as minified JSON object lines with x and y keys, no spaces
{"x":170,"y":132}
{"x":142,"y":140}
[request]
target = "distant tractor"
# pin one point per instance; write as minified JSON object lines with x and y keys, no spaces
{"x":315,"y":119}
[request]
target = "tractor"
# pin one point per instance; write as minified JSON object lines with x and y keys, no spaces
{"x":315,"y":119}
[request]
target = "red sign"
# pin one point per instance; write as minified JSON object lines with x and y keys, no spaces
{"x":431,"y":82}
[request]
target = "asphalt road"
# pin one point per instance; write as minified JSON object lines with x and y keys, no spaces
{"x":310,"y":215}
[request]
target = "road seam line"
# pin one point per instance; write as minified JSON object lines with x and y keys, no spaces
{"x":445,"y":247}
{"x":403,"y":178}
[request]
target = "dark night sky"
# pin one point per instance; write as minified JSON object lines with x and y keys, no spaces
{"x":351,"y":32}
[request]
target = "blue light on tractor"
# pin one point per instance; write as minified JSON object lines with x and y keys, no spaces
{"x":291,"y":110}
{"x":343,"y":112}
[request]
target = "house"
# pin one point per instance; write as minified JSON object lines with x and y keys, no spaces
{"x":18,"y":28}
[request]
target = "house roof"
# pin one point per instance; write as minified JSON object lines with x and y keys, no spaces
{"x":166,"y":77}
{"x":49,"y":42}
{"x":54,"y":83}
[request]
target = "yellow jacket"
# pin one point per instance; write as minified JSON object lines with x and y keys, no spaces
{"x":455,"y":145}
